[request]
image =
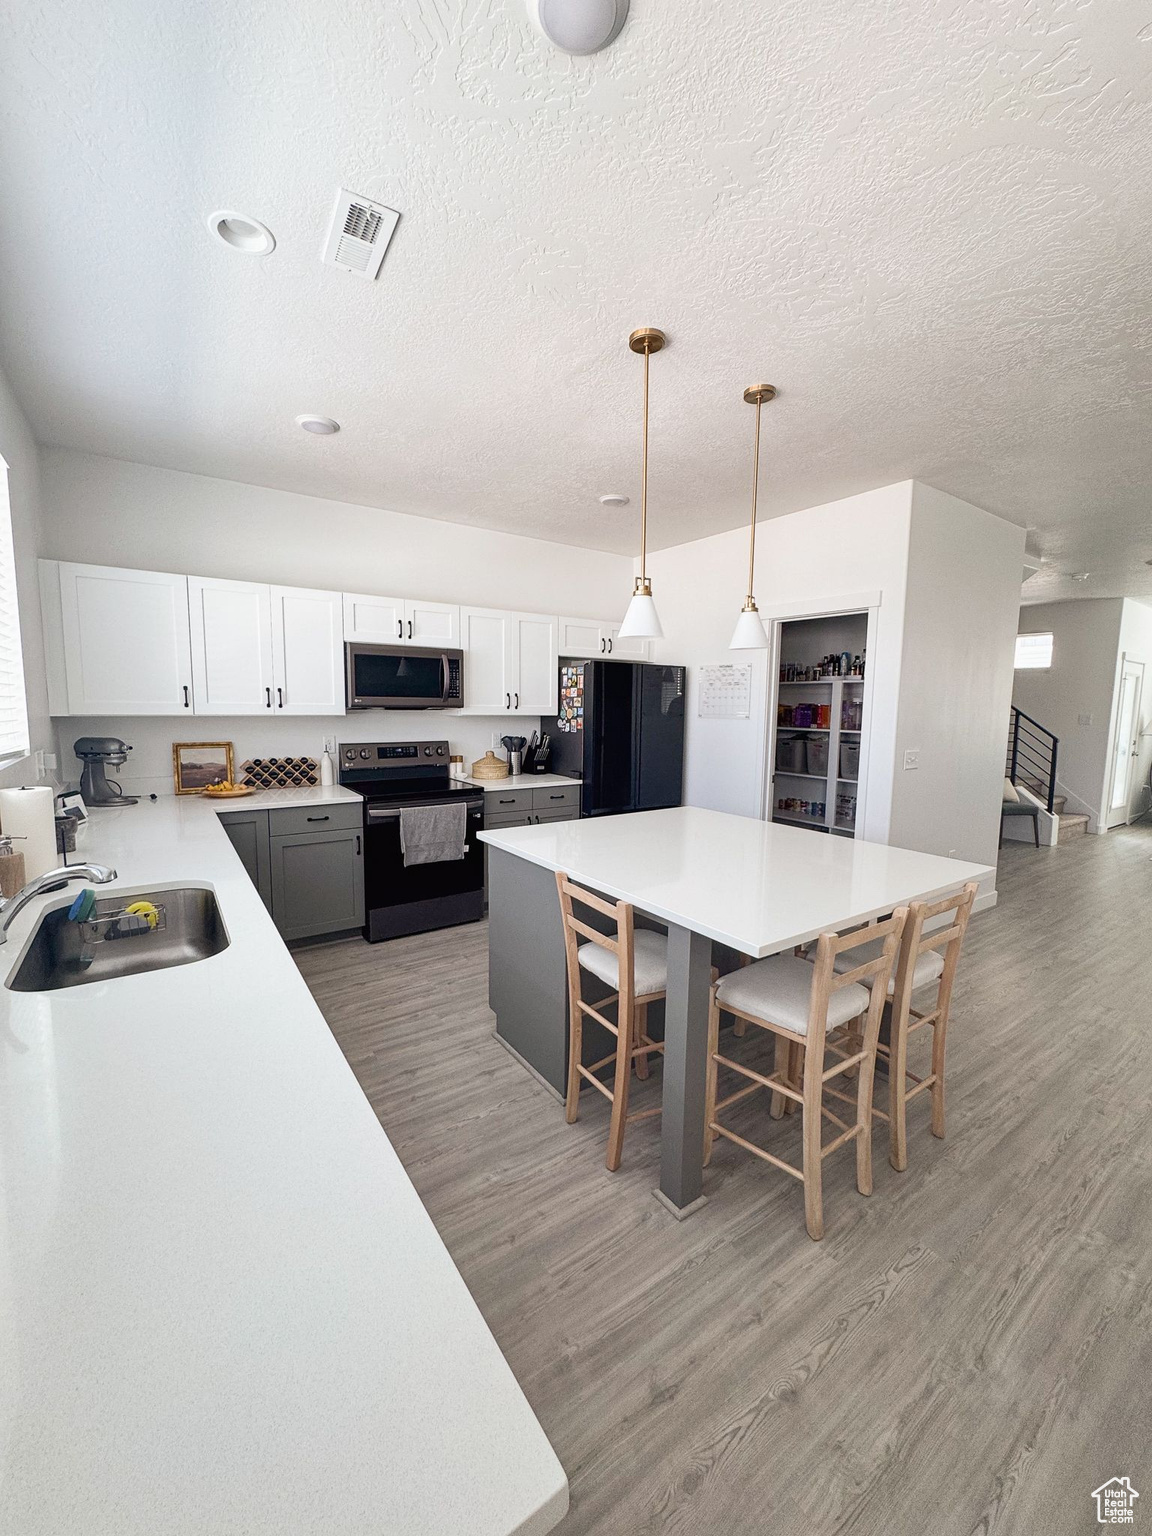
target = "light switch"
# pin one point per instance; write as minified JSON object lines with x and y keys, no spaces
{"x":912,"y":758}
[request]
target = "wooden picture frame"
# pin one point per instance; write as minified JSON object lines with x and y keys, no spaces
{"x":196,"y":764}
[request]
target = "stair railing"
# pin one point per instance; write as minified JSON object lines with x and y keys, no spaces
{"x":1031,"y":756}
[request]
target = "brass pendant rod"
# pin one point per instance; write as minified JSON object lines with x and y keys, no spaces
{"x":751,"y":603}
{"x":644,"y":479}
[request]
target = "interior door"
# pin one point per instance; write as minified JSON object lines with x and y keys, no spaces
{"x":307,"y":651}
{"x":126,"y":643}
{"x":534,"y":691}
{"x":373,"y":620}
{"x":486,"y":637}
{"x":231,"y":627}
{"x":1125,"y":742}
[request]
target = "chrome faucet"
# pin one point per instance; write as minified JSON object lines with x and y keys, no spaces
{"x":54,"y":880}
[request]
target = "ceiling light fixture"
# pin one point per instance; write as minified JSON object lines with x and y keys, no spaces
{"x":242,"y":233}
{"x":615,"y":499}
{"x":750,"y":634}
{"x":322,"y":426}
{"x":579,"y":26}
{"x":1082,"y":576}
{"x":642,"y":621}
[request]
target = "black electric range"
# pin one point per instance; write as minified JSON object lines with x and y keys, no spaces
{"x":412,"y":898}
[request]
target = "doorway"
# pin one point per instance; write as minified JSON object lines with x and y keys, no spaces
{"x":1125,"y":742}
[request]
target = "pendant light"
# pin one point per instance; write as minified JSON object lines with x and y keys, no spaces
{"x":642,"y":621}
{"x":750,"y":634}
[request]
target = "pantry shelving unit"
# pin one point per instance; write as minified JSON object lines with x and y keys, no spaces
{"x":816,"y":777}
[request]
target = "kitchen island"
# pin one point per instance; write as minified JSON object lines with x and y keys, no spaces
{"x":708,"y":877}
{"x":223,"y":1308}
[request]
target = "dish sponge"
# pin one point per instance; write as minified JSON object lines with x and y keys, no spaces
{"x":82,"y":908}
{"x":144,"y":909}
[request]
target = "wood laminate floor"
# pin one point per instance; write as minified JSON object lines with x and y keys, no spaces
{"x":966,"y":1351}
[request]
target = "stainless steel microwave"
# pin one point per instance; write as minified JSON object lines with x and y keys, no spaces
{"x":402,"y":677}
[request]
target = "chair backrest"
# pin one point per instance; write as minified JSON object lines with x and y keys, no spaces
{"x":619,"y":941}
{"x":827,"y":980}
{"x":948,"y":937}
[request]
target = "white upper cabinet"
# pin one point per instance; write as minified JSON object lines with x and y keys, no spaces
{"x":431,"y":623}
{"x":231,"y":626}
{"x":509,"y":662}
{"x":398,"y":620}
{"x":373,"y":620}
{"x":486,"y":637}
{"x":535,"y":687}
{"x":626,"y":650}
{"x":599,"y":639}
{"x":117,"y":640}
{"x":308,"y":651}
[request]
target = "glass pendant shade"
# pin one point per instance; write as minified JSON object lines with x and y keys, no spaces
{"x":641,"y":622}
{"x":749,"y":634}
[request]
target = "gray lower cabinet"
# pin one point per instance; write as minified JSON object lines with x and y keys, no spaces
{"x":317,"y":882}
{"x":248,"y":832}
{"x":308,"y":866}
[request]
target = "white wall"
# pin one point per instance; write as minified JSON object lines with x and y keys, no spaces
{"x":109,"y":512}
{"x":1073,"y":698}
{"x":824,"y":556}
{"x":956,"y":676}
{"x":18,"y":451}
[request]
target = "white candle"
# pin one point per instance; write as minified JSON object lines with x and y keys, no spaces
{"x":29,"y":816}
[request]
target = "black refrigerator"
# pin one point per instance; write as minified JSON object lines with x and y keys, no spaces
{"x":621,"y":730}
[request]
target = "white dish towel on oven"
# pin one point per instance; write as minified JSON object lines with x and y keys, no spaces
{"x":432,"y":834}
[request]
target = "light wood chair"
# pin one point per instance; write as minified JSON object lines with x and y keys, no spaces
{"x":925,"y":958}
{"x":635,"y":963}
{"x":808,"y":1006}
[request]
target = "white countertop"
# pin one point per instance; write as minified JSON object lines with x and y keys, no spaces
{"x":524,"y":781}
{"x":223,"y":1308}
{"x":755,"y":885}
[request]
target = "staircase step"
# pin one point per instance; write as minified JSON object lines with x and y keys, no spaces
{"x":1071,"y":827}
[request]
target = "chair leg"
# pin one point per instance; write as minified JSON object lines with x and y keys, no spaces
{"x":795,"y":1074}
{"x":898,"y":1093}
{"x":782,"y":1065}
{"x":710,"y":1087}
{"x":939,"y":1033}
{"x":864,"y":1108}
{"x":621,"y":1082}
{"x":740,"y":1028}
{"x":813,"y":1163}
{"x":640,"y":1029}
{"x":575,"y":1048}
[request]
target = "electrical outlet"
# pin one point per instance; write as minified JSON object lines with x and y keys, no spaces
{"x":912,"y":758}
{"x":330,"y":745}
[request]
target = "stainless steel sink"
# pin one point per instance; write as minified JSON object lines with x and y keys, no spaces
{"x":66,"y":954}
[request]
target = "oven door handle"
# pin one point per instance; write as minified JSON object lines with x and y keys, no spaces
{"x":381,"y":815}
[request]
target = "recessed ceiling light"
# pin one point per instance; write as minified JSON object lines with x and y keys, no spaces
{"x":579,"y":26}
{"x":615,"y":499}
{"x":241,"y":232}
{"x":323,"y":426}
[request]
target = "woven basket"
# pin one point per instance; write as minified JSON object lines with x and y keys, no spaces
{"x":489,"y":767}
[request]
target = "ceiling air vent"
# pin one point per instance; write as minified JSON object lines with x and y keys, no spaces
{"x":359,"y":234}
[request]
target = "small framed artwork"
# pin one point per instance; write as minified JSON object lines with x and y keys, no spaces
{"x":196,"y":764}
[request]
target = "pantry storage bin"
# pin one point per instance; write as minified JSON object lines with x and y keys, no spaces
{"x":818,"y":755}
{"x":790,"y":757}
{"x":849,"y":759}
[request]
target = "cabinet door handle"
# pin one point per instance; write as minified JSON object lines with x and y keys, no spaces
{"x":601,"y":645}
{"x":507,"y":701}
{"x":517,"y":701}
{"x":268,"y":696}
{"x":399,"y":629}
{"x":280,"y":697}
{"x":357,"y":845}
{"x":409,"y":629}
{"x":609,"y":645}
{"x":187,"y":700}
{"x":560,"y":796}
{"x":319,"y":818}
{"x":505,"y":802}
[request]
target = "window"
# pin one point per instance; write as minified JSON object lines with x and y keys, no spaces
{"x":1033,"y":651}
{"x":13,"y":707}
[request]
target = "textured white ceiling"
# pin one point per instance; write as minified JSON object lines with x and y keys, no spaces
{"x":927,"y":225}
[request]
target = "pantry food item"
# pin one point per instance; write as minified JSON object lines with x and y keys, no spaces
{"x":227,"y":791}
